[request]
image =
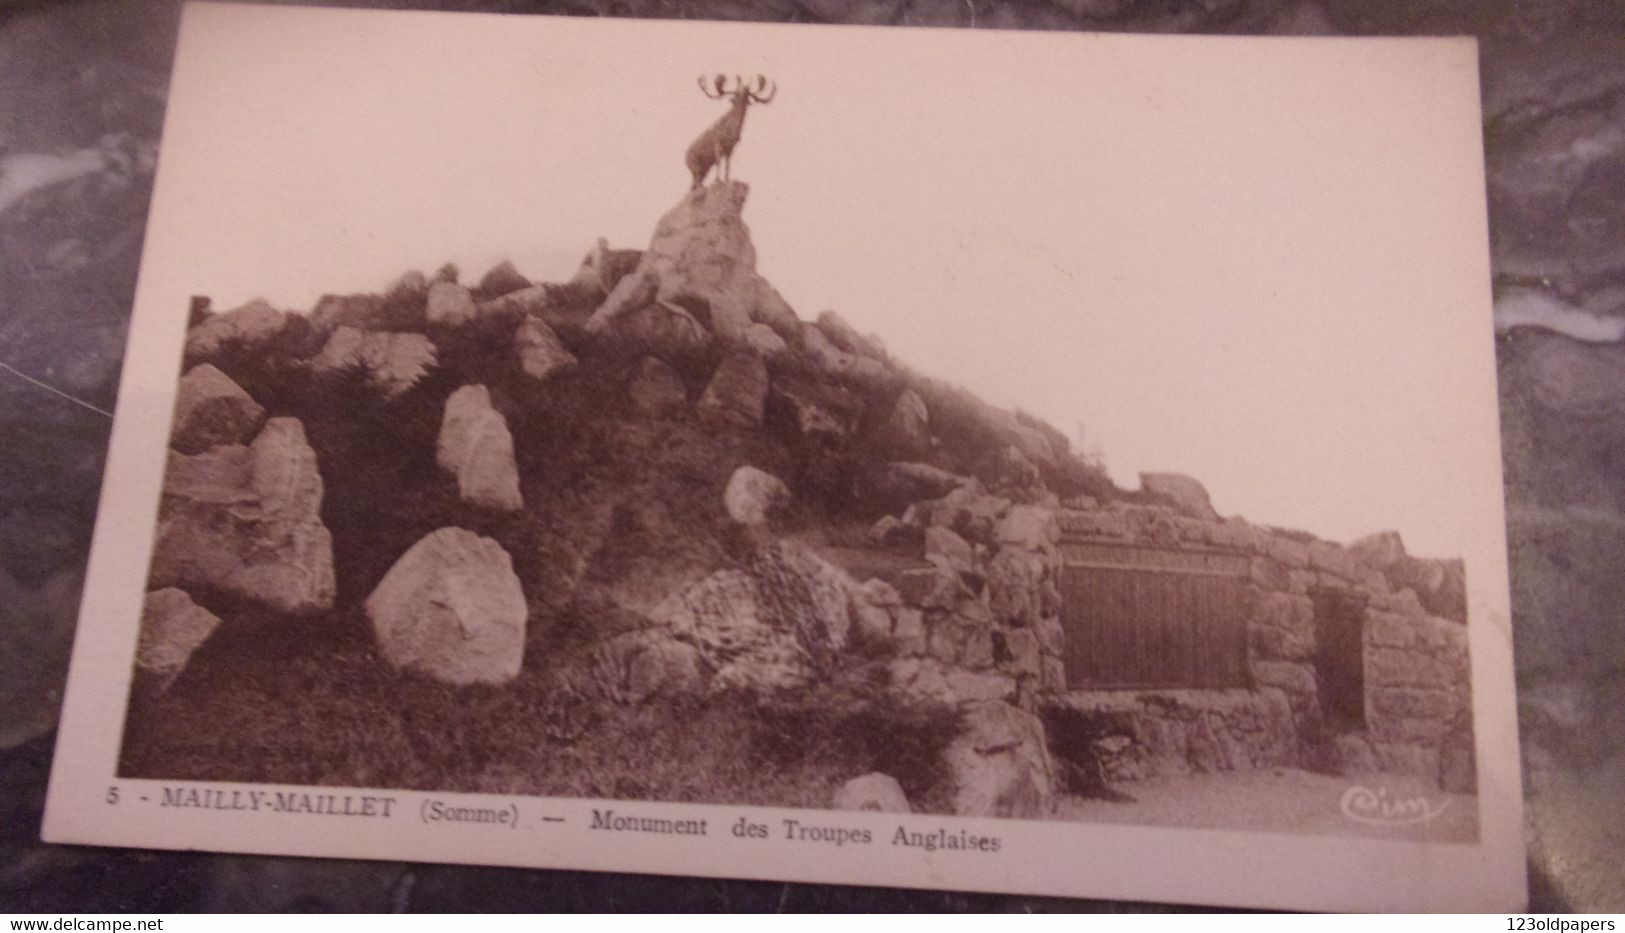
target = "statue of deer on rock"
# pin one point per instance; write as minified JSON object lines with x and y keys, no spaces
{"x":716,"y":145}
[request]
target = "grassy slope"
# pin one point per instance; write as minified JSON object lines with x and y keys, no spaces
{"x":617,"y":508}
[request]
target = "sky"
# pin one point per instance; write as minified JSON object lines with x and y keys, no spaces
{"x":1260,"y":262}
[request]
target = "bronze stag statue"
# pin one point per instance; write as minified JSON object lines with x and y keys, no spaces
{"x":716,"y":145}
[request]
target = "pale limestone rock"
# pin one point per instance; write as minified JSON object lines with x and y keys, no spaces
{"x":393,"y":362}
{"x":502,"y":279}
{"x":1015,"y":580}
{"x":1029,"y":526}
{"x":639,"y":666}
{"x":172,"y":629}
{"x":211,"y":409}
{"x":900,"y":484}
{"x":845,"y":336}
{"x":874,"y":792}
{"x":451,"y":608}
{"x":635,"y":290}
{"x":764,"y":341}
{"x":873,"y":606}
{"x":247,"y":520}
{"x":999,"y":765}
{"x":701,"y":250}
{"x":775,"y":312}
{"x":245,"y":327}
{"x":973,"y":515}
{"x":476,"y":447}
{"x":363,"y":312}
{"x":450,"y":304}
{"x":753,"y":496}
{"x":947,"y":549}
{"x":541,"y":352}
{"x":659,"y":325}
{"x":816,"y":410}
{"x":889,"y":530}
{"x":1440,"y":586}
{"x":1379,"y":550}
{"x":840,"y":364}
{"x":773,"y":625}
{"x":1189,"y":495}
{"x":409,"y":283}
{"x":603,"y":268}
{"x":518,"y":303}
{"x":737,"y":392}
{"x":926,"y":681}
{"x":907,"y":429}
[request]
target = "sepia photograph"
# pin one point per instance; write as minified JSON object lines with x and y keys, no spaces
{"x":992,"y":427}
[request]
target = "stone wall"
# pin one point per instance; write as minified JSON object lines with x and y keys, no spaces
{"x":1417,"y":716}
{"x":987,"y":602}
{"x":1418,"y":696}
{"x":1131,"y":735}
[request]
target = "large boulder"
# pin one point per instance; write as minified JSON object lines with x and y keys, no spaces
{"x":948,"y":550}
{"x":450,"y":304}
{"x":811,"y":409}
{"x":897,"y":485}
{"x":247,"y":520}
{"x":1016,"y":586}
{"x":476,"y":447}
{"x":1032,"y":527}
{"x":655,"y":388}
{"x":927,"y":682}
{"x":774,"y":624}
{"x":702,"y":249}
{"x":701,"y":252}
{"x":391,"y":362}
{"x":541,"y":352}
{"x":1187,"y":494}
{"x":642,"y":665}
{"x":361,"y":311}
{"x":737,"y":392}
{"x":603,"y":268}
{"x":211,"y":409}
{"x":875,"y":792}
{"x":502,"y":279}
{"x":999,"y":765}
{"x":1440,"y":585}
{"x":844,"y":365}
{"x":765,"y":341}
{"x":245,"y":327}
{"x":907,"y":429}
{"x":661,"y":325}
{"x":846,"y":336}
{"x":974,"y":516}
{"x":773,"y":311}
{"x":408,"y":283}
{"x":172,"y":628}
{"x":533,"y":300}
{"x":1380,"y":550}
{"x":752,"y":496}
{"x":451,"y":608}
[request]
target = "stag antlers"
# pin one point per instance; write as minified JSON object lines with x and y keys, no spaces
{"x":715,"y":146}
{"x":721,"y":82}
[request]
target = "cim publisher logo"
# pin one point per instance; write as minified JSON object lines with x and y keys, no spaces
{"x":1384,"y":808}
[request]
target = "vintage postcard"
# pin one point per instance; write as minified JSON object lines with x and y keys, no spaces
{"x":1045,"y":463}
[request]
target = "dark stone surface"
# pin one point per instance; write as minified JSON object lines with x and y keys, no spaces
{"x":82,"y":91}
